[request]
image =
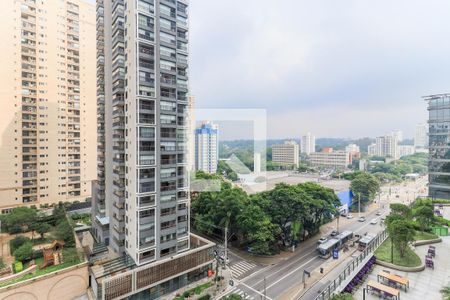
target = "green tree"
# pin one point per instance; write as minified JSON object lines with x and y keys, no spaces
{"x":401,"y":210}
{"x":285,"y":204}
{"x":258,"y":231}
{"x":22,"y":217}
{"x":18,"y":241}
{"x":24,"y":252}
{"x":401,"y":233}
{"x":64,"y":232}
{"x":42,"y":228}
{"x":446,"y":293}
{"x":366,"y":186}
{"x":424,"y":216}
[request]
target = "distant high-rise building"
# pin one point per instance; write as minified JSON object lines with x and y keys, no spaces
{"x":207,"y":147}
{"x":398,"y":134}
{"x":48,"y":91}
{"x":286,"y":154}
{"x":141,"y":205}
{"x":421,"y":136}
{"x":439,"y":145}
{"x":386,"y":146}
{"x":308,"y":143}
{"x":372,"y":150}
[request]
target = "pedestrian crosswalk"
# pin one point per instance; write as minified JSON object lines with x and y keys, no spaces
{"x":241,"y":293}
{"x":241,"y":268}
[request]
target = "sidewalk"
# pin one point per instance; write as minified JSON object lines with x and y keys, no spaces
{"x":422,"y":285}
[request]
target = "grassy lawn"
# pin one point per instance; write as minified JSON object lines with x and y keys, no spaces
{"x":423,"y":236}
{"x":383,"y":253}
{"x":40,"y":272}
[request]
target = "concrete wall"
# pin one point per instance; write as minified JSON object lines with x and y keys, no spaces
{"x":66,"y":284}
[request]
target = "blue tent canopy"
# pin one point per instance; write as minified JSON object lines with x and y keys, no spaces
{"x":346,"y":197}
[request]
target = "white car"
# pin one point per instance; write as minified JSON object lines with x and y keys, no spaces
{"x":362,"y":219}
{"x":349,"y":216}
{"x":322,"y":240}
{"x":379,"y":213}
{"x":374,"y":221}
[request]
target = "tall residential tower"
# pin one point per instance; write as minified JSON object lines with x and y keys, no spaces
{"x":207,"y":147}
{"x":141,"y":207}
{"x":308,"y":144}
{"x":48,"y":136}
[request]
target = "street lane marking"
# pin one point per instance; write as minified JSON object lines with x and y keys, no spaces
{"x":288,"y":274}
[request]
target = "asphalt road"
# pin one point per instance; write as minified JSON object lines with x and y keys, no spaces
{"x":275,"y":280}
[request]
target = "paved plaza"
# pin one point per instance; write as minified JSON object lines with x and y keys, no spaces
{"x":423,"y":285}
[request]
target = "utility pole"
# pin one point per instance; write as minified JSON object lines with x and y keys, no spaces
{"x":359,"y":204}
{"x":226,"y":246}
{"x":337,"y":225}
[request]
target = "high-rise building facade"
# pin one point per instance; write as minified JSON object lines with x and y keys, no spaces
{"x":398,"y":134}
{"x":439,"y":145}
{"x":386,"y":146}
{"x":286,"y":154}
{"x":421,"y":136}
{"x":207,"y":148}
{"x":372,"y":150}
{"x":308,"y":143}
{"x":48,"y":136}
{"x":141,"y":204}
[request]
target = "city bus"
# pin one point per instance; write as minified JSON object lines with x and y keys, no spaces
{"x":326,"y":249}
{"x":364,"y":241}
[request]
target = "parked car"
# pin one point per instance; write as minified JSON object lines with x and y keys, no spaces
{"x":349,"y":216}
{"x":374,"y":221}
{"x":322,"y":240}
{"x":362,"y":219}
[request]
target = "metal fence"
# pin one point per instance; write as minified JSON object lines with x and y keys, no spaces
{"x":352,"y":268}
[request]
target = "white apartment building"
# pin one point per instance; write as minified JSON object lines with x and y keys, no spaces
{"x":207,"y":148}
{"x":286,"y":154}
{"x":398,"y":134}
{"x":141,"y":205}
{"x":372,"y":150}
{"x":421,"y":136}
{"x":386,"y":146}
{"x":48,"y":92}
{"x":308,"y":143}
{"x":333,"y":159}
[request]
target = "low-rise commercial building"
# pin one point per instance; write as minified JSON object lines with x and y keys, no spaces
{"x":333,"y":159}
{"x":286,"y":154}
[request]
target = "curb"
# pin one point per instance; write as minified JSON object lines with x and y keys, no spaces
{"x":400,"y":268}
{"x":427,"y":242}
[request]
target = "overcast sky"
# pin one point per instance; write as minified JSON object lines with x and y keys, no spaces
{"x":335,"y":68}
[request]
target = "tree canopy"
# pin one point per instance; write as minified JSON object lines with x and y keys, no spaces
{"x":366,"y":186}
{"x":266,"y":221}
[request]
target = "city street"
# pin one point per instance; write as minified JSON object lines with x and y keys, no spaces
{"x":274,"y":281}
